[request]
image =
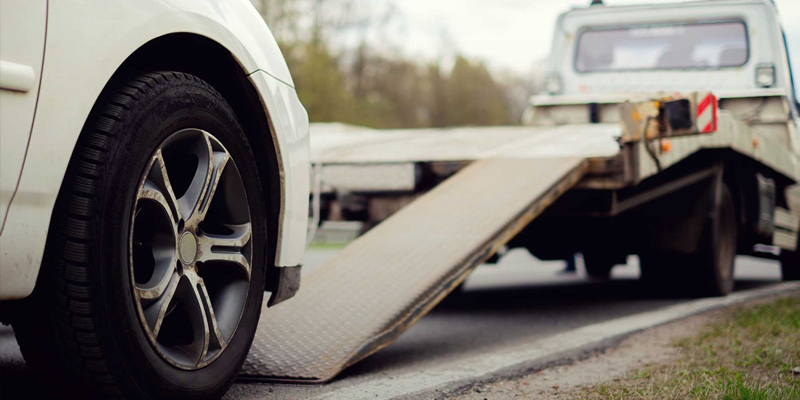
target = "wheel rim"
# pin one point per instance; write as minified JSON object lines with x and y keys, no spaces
{"x":190,"y":249}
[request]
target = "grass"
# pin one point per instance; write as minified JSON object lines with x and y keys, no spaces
{"x":327,"y":246}
{"x":747,"y":355}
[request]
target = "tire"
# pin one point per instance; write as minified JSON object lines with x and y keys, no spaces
{"x":790,"y":264}
{"x":714,"y":261}
{"x":706,"y":272}
{"x":114,"y":242}
{"x":598,"y":266}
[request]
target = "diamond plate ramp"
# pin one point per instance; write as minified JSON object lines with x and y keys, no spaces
{"x":377,"y":287}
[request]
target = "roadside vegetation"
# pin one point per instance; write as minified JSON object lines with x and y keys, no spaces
{"x":348,"y":66}
{"x":752,"y":353}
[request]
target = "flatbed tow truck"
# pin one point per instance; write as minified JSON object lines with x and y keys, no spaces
{"x":669,"y":131}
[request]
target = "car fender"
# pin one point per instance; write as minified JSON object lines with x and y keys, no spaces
{"x":86,"y":43}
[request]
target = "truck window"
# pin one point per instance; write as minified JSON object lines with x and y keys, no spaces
{"x":666,"y":46}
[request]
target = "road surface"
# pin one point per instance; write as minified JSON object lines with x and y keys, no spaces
{"x":519,"y":299}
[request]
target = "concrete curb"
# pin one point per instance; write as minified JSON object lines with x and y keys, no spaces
{"x":518,"y":358}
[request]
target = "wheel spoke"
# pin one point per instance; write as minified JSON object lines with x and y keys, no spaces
{"x":158,"y":187}
{"x":190,"y":200}
{"x":154,"y":290}
{"x":204,"y":184}
{"x":226,"y":248}
{"x":216,"y":340}
{"x":150,"y":191}
{"x":220,"y":160}
{"x":155,"y":313}
{"x":162,"y":247}
{"x":194,"y":303}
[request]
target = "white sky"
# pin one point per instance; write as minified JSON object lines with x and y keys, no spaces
{"x":514,"y":34}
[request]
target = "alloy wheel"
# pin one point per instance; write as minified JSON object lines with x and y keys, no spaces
{"x":190,"y":249}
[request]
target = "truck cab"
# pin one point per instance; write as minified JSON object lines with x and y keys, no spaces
{"x":606,"y":58}
{"x":602,"y":56}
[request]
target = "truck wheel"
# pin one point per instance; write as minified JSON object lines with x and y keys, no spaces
{"x":713,"y":263}
{"x":790,"y":264}
{"x":598,"y":266}
{"x":153,"y":276}
{"x":707,"y":272}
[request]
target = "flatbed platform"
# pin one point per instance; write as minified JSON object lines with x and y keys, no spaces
{"x":333,"y":143}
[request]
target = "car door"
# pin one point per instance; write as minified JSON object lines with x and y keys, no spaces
{"x":23,"y":24}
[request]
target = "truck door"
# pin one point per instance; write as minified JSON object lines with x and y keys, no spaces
{"x":22,"y":36}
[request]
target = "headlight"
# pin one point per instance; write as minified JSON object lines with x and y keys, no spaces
{"x":765,"y":75}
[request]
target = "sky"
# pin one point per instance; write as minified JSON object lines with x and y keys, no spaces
{"x":514,"y":34}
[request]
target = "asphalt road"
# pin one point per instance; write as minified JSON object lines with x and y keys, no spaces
{"x":518,"y":299}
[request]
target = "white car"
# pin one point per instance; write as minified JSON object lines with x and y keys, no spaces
{"x":154,"y":181}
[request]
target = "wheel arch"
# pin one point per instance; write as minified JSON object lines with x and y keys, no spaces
{"x":207,"y":59}
{"x":210,"y":61}
{"x":742,"y":175}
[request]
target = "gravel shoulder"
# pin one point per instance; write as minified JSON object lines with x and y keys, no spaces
{"x":629,"y":369}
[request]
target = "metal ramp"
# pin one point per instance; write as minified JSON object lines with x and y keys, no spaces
{"x":385,"y":281}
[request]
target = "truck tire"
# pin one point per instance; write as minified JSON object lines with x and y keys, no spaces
{"x":713,"y":263}
{"x":135,"y":299}
{"x":598,"y":265}
{"x":790,"y":264}
{"x":706,"y":272}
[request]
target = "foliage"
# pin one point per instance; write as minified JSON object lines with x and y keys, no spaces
{"x":370,"y":87}
{"x":748,"y":355}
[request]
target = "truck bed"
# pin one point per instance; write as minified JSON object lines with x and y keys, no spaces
{"x":343,"y":145}
{"x":347,"y":144}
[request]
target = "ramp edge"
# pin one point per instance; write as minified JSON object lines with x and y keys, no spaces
{"x":447,"y":285}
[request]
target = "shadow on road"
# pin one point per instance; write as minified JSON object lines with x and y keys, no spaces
{"x":16,"y":380}
{"x":548,"y":295}
{"x":477,"y":321}
{"x":470,"y":322}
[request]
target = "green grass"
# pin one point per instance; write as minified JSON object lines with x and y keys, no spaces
{"x":327,"y":246}
{"x":747,"y":355}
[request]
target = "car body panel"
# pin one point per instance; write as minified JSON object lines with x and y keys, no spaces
{"x":20,"y":72}
{"x":88,"y":41}
{"x":289,"y":118}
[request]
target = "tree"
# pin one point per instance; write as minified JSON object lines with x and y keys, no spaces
{"x":375,"y":87}
{"x":474,"y":98}
{"x":319,"y":82}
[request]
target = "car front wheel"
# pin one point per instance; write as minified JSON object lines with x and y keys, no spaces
{"x":153,"y":277}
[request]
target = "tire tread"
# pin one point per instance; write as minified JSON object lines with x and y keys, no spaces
{"x":75,"y":313}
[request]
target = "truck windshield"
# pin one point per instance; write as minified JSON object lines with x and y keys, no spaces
{"x":667,"y":46}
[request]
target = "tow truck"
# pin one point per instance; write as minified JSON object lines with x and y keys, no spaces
{"x":667,"y":131}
